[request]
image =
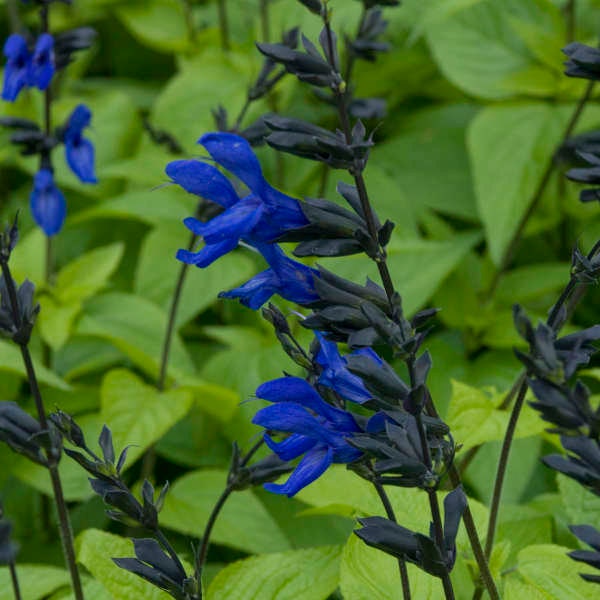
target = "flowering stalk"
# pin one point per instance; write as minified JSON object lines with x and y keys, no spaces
{"x":53,"y":453}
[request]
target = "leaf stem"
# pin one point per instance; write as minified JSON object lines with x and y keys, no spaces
{"x":392,"y":517}
{"x":14,"y":580}
{"x":539,"y":192}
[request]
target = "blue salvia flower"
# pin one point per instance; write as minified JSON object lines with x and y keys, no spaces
{"x":317,"y":430}
{"x":16,"y":71}
{"x":335,"y":373}
{"x":47,"y":203}
{"x":26,"y":69}
{"x":79,"y":151}
{"x":263,"y":215}
{"x":288,"y":278}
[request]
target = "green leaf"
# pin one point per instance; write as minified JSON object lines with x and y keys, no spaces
{"x":27,"y":259}
{"x":36,"y":581}
{"x":136,"y":327}
{"x":311,"y":574}
{"x":474,"y":417}
{"x":88,"y":274}
{"x":418,"y":266}
{"x":550,"y":573}
{"x":529,"y":283}
{"x":137,"y":413}
{"x":158,"y":270}
{"x":479,"y":50}
{"x":83,"y":355}
{"x":430,"y":140}
{"x":12,"y":362}
{"x":520,"y":138}
{"x":370,"y":574}
{"x":582,"y":507}
{"x":56,"y":321}
{"x":244,"y":523}
{"x":95,"y":549}
{"x":91,"y":589}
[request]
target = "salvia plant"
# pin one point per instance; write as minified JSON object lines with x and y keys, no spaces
{"x":356,"y":422}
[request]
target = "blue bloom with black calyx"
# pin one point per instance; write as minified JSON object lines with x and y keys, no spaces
{"x":317,"y":430}
{"x":24,"y":68}
{"x":79,"y":151}
{"x":288,"y":278}
{"x":261,"y":216}
{"x":335,"y":373}
{"x":16,"y":71}
{"x":47,"y":203}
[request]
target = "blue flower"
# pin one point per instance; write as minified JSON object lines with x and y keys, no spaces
{"x":261,"y":216}
{"x":47,"y":203}
{"x":26,"y":69}
{"x":317,"y":430}
{"x":16,"y":71}
{"x":335,"y":373}
{"x":41,"y":68}
{"x":79,"y":151}
{"x":288,"y":278}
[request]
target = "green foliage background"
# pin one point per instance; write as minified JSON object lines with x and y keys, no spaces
{"x":477,"y":105}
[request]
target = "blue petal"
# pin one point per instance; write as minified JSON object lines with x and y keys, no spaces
{"x":348,"y":386}
{"x":235,"y":222}
{"x":285,"y":213}
{"x":235,"y":154}
{"x":17,"y":66}
{"x":329,"y":355}
{"x":311,"y":467}
{"x":208,"y":254}
{"x":203,"y":180}
{"x":255,"y":292}
{"x":80,"y":118}
{"x":299,"y":391}
{"x":42,"y":62}
{"x":47,"y":202}
{"x":370,"y":353}
{"x":80,"y":158}
{"x":292,"y":447}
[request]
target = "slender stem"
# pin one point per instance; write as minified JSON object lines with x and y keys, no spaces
{"x":15,"y":580}
{"x":539,"y":192}
{"x":264,"y":20}
{"x":392,"y":517}
{"x":241,"y":115}
{"x":223,"y":24}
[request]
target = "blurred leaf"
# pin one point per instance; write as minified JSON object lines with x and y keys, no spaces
{"x":135,"y":326}
{"x":244,"y":523}
{"x":158,"y":271}
{"x":136,"y":413}
{"x":582,"y":507}
{"x":95,"y":549}
{"x":545,"y":571}
{"x":311,"y":574}
{"x":36,"y":581}
{"x":478,"y":50}
{"x":81,"y":356}
{"x":528,"y":283}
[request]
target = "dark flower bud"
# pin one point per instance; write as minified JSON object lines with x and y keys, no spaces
{"x":266,"y":470}
{"x":160,"y":569}
{"x":68,"y":427}
{"x":8,"y":549}
{"x":583,"y":268}
{"x":8,"y":240}
{"x":368,"y":108}
{"x":18,"y":324}
{"x":583,"y":61}
{"x":20,"y":430}
{"x":591,"y":537}
{"x":69,"y":42}
{"x":119,"y":497}
{"x":220,"y":117}
{"x":162,"y":138}
{"x":589,"y":174}
{"x":314,"y":6}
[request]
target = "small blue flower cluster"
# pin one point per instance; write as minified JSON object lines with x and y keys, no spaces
{"x":26,"y":68}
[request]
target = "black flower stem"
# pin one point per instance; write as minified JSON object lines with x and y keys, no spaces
{"x":223,"y":24}
{"x":392,"y":517}
{"x":66,"y":533}
{"x":552,"y":321}
{"x":212,"y":519}
{"x":510,"y":250}
{"x":264,"y":20}
{"x":15,"y":580}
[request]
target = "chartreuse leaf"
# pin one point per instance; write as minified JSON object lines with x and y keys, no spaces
{"x":474,"y":416}
{"x":418,"y":266}
{"x":310,"y":574}
{"x":36,"y":581}
{"x":582,"y":507}
{"x":370,"y":574}
{"x":480,"y":49}
{"x":244,"y":522}
{"x":529,"y":283}
{"x":91,"y":589}
{"x":75,"y":480}
{"x":546,"y":571}
{"x":137,"y":413}
{"x":96,"y":548}
{"x":157,"y":273}
{"x":11,"y":361}
{"x":27,"y":259}
{"x":135,"y":326}
{"x":522,"y":138}
{"x":55,"y":321}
